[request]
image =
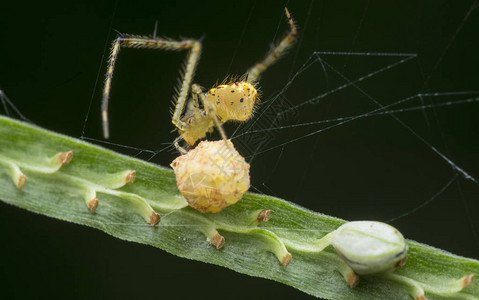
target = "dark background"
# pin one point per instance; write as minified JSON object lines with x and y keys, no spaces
{"x":50,"y":56}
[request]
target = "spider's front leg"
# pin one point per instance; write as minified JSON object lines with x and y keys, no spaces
{"x":198,"y":121}
{"x":195,"y":118}
{"x":210,"y":110}
{"x":254,"y":73}
{"x":196,"y":92}
{"x":134,"y":41}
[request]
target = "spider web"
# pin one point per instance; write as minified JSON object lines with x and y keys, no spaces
{"x":357,"y":132}
{"x":352,"y":78}
{"x":416,"y":109}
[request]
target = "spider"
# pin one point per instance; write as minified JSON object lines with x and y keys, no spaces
{"x":205,"y":110}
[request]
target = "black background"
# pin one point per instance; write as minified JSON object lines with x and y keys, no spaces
{"x":50,"y":55}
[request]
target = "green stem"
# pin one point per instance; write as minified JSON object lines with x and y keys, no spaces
{"x":38,"y":162}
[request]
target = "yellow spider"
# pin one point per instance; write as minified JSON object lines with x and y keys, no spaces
{"x":232,"y":101}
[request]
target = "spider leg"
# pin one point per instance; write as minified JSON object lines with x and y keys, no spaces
{"x":133,"y":41}
{"x":254,"y":73}
{"x":176,"y":142}
{"x":197,"y":93}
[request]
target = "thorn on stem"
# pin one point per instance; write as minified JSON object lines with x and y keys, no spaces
{"x":65,"y":157}
{"x":21,"y":181}
{"x":264,"y":216}
{"x":93,"y":204}
{"x":15,"y":174}
{"x":130,"y":176}
{"x":402,"y":262}
{"x":60,"y":159}
{"x":217,"y":240}
{"x":154,"y":218}
{"x":117,"y":180}
{"x":467,"y":280}
{"x":421,"y":297}
{"x":352,"y":279}
{"x":287,"y":259}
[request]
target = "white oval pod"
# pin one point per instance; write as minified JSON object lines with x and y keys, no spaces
{"x":370,"y":247}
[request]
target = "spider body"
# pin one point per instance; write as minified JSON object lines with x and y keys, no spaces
{"x":212,"y":176}
{"x":196,"y":126}
{"x":234,"y":101}
{"x":226,"y":102}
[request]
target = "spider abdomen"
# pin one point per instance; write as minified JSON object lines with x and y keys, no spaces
{"x":212,"y":176}
{"x":234,"y":101}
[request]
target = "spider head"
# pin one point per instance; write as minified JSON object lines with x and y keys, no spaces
{"x":234,"y":101}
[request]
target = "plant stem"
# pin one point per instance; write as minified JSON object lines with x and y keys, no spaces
{"x":57,"y":183}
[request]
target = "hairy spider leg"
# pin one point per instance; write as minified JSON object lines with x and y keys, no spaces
{"x":232,"y":101}
{"x":200,"y":121}
{"x":142,"y":42}
{"x":254,"y":73}
{"x":197,"y":112}
{"x":197,"y":92}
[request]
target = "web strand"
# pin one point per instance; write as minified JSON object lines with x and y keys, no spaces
{"x":427,"y":202}
{"x":353,"y":83}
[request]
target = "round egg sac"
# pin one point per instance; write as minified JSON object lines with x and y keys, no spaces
{"x":212,"y":176}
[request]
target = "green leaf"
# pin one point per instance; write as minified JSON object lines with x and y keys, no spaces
{"x":62,"y":190}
